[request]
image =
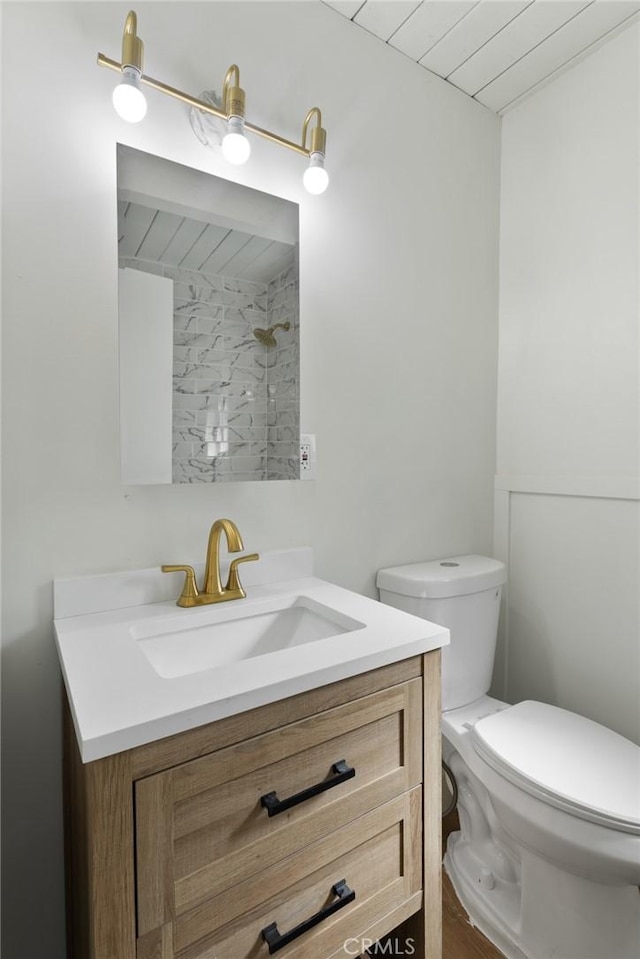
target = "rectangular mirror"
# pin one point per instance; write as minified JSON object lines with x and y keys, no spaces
{"x":208,"y":327}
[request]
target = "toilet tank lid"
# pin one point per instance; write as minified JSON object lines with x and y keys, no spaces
{"x":438,"y":578}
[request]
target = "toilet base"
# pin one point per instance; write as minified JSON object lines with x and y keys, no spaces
{"x":543,"y":912}
{"x":494,"y":916}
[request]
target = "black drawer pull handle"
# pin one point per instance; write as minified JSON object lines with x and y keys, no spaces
{"x":276,"y":940}
{"x":341,"y":772}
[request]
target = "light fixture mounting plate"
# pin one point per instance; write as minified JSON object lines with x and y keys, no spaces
{"x":208,"y":129}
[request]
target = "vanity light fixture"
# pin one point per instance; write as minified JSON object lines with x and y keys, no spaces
{"x":130,"y":104}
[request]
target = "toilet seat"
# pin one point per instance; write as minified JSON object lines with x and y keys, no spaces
{"x":565,"y":760}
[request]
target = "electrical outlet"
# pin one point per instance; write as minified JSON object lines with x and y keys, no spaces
{"x":307,"y":456}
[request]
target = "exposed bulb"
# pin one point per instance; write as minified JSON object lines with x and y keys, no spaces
{"x":235,"y":146}
{"x":316,"y":178}
{"x":128,"y":99}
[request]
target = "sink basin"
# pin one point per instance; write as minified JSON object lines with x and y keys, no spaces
{"x":217,"y":635}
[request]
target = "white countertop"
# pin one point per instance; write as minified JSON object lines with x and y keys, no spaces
{"x":119,"y":701}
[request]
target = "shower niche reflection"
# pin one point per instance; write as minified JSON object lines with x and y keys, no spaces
{"x":208,"y":327}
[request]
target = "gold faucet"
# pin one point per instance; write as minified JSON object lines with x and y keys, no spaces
{"x":213,"y":591}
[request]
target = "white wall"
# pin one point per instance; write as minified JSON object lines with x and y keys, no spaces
{"x":567,"y":511}
{"x":399,"y":328}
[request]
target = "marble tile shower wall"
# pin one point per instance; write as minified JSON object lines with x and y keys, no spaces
{"x":283,"y":381}
{"x":235,"y":401}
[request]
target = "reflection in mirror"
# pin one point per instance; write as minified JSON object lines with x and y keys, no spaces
{"x":209,"y":321}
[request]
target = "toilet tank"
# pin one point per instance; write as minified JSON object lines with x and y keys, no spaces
{"x":463,"y":594}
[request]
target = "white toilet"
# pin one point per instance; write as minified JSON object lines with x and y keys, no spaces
{"x":547,"y":860}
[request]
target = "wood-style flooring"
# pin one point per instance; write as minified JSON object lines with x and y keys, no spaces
{"x":460,"y":940}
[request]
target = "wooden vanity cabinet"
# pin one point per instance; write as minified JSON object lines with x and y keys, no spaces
{"x":316,"y":819}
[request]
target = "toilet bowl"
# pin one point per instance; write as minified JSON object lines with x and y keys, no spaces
{"x":547,"y":859}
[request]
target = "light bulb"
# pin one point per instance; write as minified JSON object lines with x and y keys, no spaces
{"x":128,"y":99}
{"x":316,"y":178}
{"x":235,"y":146}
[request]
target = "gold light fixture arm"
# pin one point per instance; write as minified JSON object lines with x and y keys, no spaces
{"x":232,"y":96}
{"x":318,"y":134}
{"x":132,"y":46}
{"x":233,"y":73}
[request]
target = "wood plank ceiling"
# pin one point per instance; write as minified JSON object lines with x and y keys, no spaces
{"x":496,"y":51}
{"x":156,"y":236}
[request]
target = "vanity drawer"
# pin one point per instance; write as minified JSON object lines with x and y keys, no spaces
{"x":203,"y":829}
{"x":334,"y":890}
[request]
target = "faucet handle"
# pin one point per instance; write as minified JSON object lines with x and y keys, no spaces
{"x":189,"y":594}
{"x":233,"y":580}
